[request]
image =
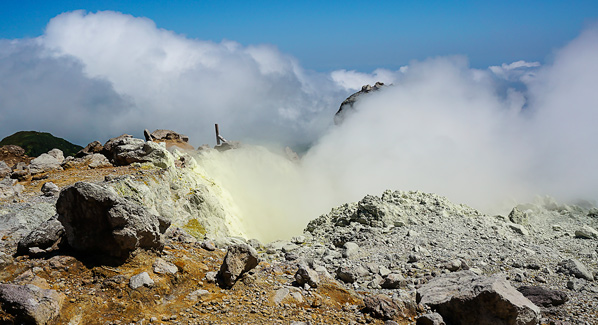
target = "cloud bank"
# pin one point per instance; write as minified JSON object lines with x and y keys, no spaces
{"x":478,"y":136}
{"x":153,"y":78}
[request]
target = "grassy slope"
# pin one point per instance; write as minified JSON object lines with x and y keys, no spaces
{"x":35,"y":143}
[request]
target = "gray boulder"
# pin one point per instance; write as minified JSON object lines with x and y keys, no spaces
{"x":467,"y":298}
{"x":96,"y":220}
{"x":29,"y":304}
{"x":586,"y":232}
{"x":306,"y":275}
{"x":240,"y":258}
{"x":544,"y":297}
{"x":141,"y":280}
{"x":160,"y":266}
{"x":575,"y":268}
{"x":43,"y":239}
{"x":430,"y":319}
{"x":50,"y":189}
{"x":46,"y":162}
{"x":125,"y":150}
{"x":97,"y":160}
{"x":384,"y":307}
{"x":347,"y":274}
{"x":394,"y":281}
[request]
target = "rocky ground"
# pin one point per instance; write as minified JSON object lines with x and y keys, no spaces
{"x":404,"y":257}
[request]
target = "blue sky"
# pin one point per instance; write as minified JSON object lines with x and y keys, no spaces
{"x":329,"y":35}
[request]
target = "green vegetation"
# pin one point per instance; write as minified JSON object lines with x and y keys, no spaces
{"x":35,"y":143}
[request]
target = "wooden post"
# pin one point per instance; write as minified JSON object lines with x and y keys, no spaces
{"x":217,"y":135}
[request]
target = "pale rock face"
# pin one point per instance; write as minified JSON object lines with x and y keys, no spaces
{"x":186,"y":197}
{"x":46,"y":162}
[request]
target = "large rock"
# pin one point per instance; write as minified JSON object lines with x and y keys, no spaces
{"x":47,"y":161}
{"x":43,"y":239}
{"x":125,"y":150}
{"x":575,"y":268}
{"x":586,"y":232}
{"x":544,"y":297}
{"x":382,"y":306}
{"x":30,"y":304}
{"x":467,"y":298}
{"x":96,"y":220}
{"x":240,"y":258}
{"x":91,"y":148}
{"x":305,"y":275}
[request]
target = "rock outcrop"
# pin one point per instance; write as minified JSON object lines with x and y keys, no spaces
{"x":466,"y":298}
{"x":239,"y":259}
{"x":347,"y":105}
{"x":98,"y":221}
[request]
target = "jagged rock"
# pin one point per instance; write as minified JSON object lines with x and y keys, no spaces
{"x":519,"y":217}
{"x":394,"y":281}
{"x":96,"y":220}
{"x":50,"y":189}
{"x":586,"y":232}
{"x":91,"y":148}
{"x":467,"y":298}
{"x":4,"y":169}
{"x":519,"y":229}
{"x":544,"y":297}
{"x":385,"y":307}
{"x":347,"y":274}
{"x":47,"y":161}
{"x":347,"y":105}
{"x":30,"y":304}
{"x":140,"y":280}
{"x":575,"y":268}
{"x":240,"y":258}
{"x":430,"y":319}
{"x":43,"y":239}
{"x":306,"y":275}
{"x":160,"y":266}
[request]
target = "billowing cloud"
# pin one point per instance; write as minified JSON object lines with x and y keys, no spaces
{"x":166,"y":80}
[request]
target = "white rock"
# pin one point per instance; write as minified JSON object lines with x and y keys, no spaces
{"x":140,"y":280}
